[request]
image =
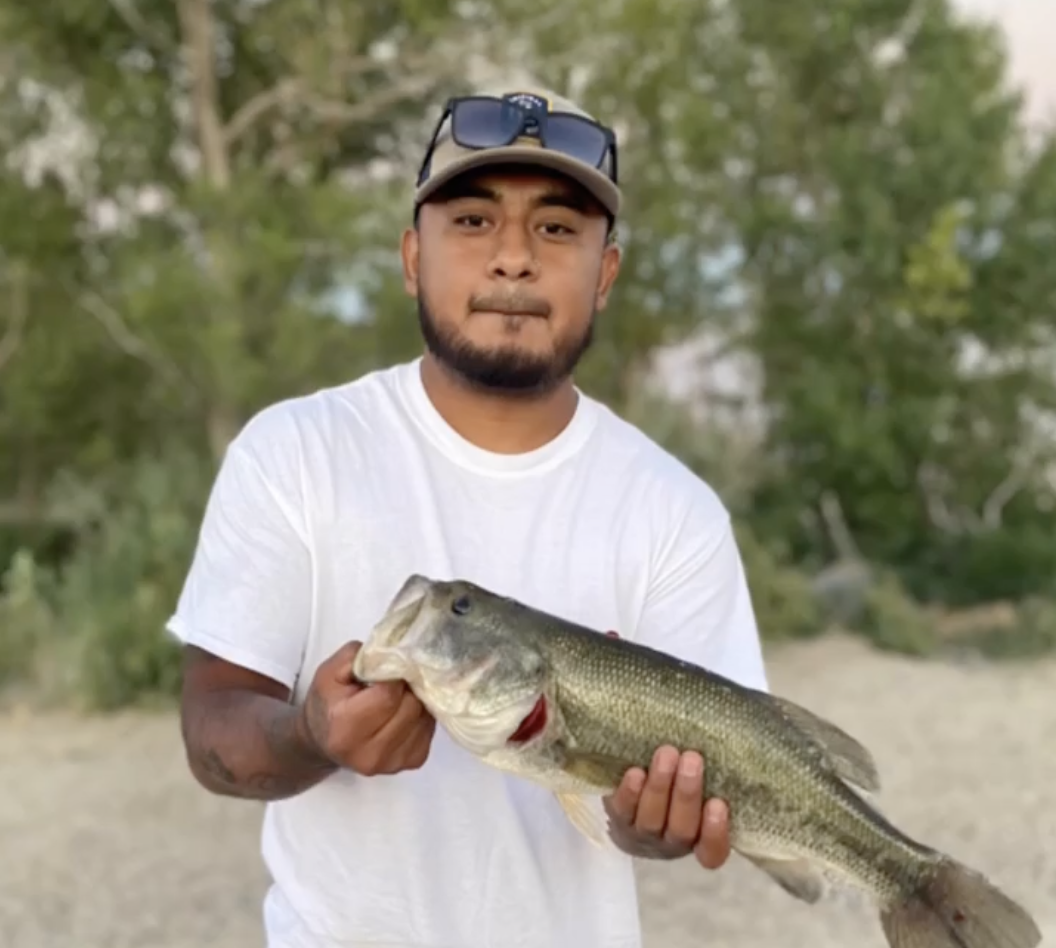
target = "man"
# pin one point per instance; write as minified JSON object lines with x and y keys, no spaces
{"x":481,"y":460}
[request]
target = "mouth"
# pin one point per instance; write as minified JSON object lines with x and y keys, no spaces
{"x":523,"y":308}
{"x":509,"y":314}
{"x":379,"y":658}
{"x":411,"y":592}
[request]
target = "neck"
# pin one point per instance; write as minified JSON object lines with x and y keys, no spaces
{"x":498,"y":423}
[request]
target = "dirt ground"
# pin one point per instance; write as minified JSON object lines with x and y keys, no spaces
{"x":107,"y":843}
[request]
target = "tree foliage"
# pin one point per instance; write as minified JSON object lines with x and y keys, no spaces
{"x":837,"y":205}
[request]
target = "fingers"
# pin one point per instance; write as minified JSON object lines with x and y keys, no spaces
{"x":413,"y":752}
{"x":378,"y":728}
{"x":392,"y":730}
{"x":400,"y":724}
{"x":664,"y":805}
{"x":685,"y":814}
{"x":655,"y":799}
{"x":386,"y":706}
{"x":713,"y":848}
{"x":369,"y":709}
{"x":623,"y":804}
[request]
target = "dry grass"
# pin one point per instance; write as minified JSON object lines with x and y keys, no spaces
{"x":107,"y":842}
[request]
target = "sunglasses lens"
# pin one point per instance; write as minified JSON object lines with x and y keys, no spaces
{"x":494,"y":123}
{"x":573,"y":136}
{"x":484,"y":123}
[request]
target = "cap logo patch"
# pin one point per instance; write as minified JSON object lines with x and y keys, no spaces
{"x":529,"y":100}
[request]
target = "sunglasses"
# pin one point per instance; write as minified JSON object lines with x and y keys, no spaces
{"x":485,"y":122}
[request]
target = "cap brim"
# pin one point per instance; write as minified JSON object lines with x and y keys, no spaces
{"x":597,"y":183}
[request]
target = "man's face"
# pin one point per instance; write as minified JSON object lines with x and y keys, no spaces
{"x":508,"y":268}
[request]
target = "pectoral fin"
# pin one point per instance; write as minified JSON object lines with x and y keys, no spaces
{"x":597,"y":770}
{"x":796,"y":876}
{"x":586,"y":814}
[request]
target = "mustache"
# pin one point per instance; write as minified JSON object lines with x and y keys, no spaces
{"x":517,"y":304}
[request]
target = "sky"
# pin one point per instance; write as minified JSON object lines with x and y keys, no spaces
{"x":1030,"y":26}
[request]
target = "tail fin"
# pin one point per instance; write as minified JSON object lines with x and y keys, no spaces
{"x":958,"y":908}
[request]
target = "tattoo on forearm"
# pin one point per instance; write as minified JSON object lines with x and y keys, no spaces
{"x":275,"y":762}
{"x":259,"y":785}
{"x":213,"y":765}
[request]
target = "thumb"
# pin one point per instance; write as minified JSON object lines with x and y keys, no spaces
{"x":344,"y":664}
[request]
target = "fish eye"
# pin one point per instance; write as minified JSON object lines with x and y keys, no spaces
{"x":461,"y":605}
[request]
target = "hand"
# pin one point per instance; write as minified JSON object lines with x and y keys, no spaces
{"x":370,"y":729}
{"x":658,"y":815}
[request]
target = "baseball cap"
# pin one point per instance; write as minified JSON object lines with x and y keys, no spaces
{"x":525,"y":127}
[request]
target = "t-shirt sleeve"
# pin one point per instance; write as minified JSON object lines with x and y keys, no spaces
{"x":247,"y":596}
{"x":698,"y":607}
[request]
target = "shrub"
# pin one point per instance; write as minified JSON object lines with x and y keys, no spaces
{"x":27,"y":620}
{"x":785,"y":604}
{"x":93,"y":634}
{"x":894,"y":622}
{"x":1032,"y":633}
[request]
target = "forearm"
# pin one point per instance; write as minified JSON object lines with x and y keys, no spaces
{"x":249,"y":745}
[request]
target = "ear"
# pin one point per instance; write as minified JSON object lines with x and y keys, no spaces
{"x":409,"y":256}
{"x":610,"y":268}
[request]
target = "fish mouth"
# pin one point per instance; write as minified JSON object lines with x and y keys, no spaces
{"x":380,"y":657}
{"x":412,"y":592}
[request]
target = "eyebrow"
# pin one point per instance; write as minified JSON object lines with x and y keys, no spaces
{"x":553,"y":197}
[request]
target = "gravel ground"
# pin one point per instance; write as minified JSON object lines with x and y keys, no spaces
{"x":107,"y":843}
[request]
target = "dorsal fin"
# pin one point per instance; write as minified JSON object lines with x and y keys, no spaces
{"x":850,"y":760}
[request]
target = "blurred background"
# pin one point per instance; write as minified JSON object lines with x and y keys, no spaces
{"x":838,"y":305}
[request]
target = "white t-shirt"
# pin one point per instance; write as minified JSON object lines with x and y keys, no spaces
{"x":323,"y":506}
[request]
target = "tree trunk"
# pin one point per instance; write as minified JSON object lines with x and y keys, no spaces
{"x":196,"y":21}
{"x":199,"y":39}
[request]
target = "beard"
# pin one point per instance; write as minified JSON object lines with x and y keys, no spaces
{"x":503,"y":370}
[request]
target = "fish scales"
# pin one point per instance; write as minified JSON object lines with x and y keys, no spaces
{"x":622,"y":702}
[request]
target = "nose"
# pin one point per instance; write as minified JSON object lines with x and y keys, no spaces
{"x":514,"y":257}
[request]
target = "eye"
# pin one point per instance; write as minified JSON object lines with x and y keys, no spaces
{"x":461,"y":605}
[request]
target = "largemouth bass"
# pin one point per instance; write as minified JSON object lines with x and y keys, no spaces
{"x":572,"y":709}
